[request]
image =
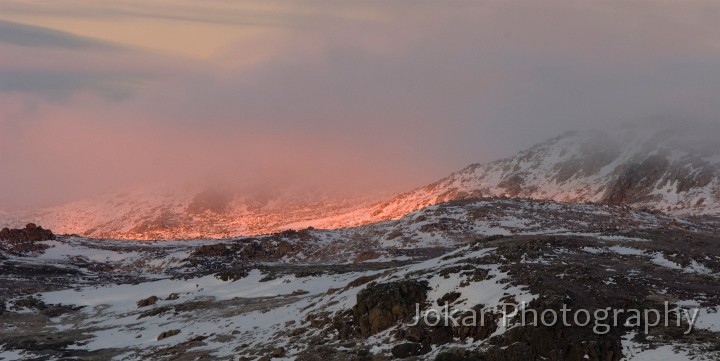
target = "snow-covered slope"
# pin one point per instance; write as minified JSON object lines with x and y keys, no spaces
{"x":418,"y":234}
{"x":189,"y":212}
{"x":674,"y":170}
{"x":352,"y":294}
{"x":671,"y":170}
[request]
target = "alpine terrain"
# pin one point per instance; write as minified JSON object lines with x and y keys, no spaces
{"x":671,"y":169}
{"x":589,"y":246}
{"x":384,"y":291}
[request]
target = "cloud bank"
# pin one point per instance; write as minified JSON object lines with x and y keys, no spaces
{"x":383,"y":95}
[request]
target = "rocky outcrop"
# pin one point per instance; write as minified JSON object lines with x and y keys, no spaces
{"x":445,"y":331}
{"x":23,"y":241}
{"x":554,"y":343}
{"x":636,"y":180}
{"x":31,"y":233}
{"x":512,"y":185}
{"x":595,"y":270}
{"x":381,"y":306}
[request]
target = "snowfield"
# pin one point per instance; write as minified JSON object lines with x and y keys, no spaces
{"x":354,"y":292}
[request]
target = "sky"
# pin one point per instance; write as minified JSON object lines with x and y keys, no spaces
{"x":98,"y":96}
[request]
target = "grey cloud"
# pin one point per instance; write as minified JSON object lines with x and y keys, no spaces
{"x":60,"y":85}
{"x":282,"y":15}
{"x":34,"y":36}
{"x":407,"y":100}
{"x":56,"y":65}
{"x":479,"y":84}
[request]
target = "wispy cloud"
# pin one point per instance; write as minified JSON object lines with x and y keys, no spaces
{"x":26,"y":35}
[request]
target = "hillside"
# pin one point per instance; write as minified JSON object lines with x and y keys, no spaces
{"x":669,"y":169}
{"x":352,"y":294}
{"x":672,"y":170}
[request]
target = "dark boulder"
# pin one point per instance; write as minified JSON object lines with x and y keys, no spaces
{"x":380,"y":306}
{"x":283,"y":248}
{"x":167,"y":334}
{"x":147,"y":301}
{"x":405,"y":350}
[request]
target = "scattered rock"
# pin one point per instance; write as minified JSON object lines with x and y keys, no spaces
{"x":283,"y":248}
{"x":278,"y":352}
{"x":147,"y":301}
{"x":211,"y":250}
{"x":459,"y":355}
{"x":405,"y":350}
{"x":56,"y":310}
{"x":269,"y":277}
{"x":366,"y":256}
{"x":361,"y":281}
{"x":30,"y":302}
{"x":308,"y":273}
{"x":426,"y":334}
{"x":448,"y":298}
{"x":167,"y":334}
{"x":155,"y":311}
{"x":232,"y":275}
{"x":446,"y":272}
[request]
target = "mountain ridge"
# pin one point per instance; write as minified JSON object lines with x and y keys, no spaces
{"x":667,"y":170}
{"x":649,"y":172}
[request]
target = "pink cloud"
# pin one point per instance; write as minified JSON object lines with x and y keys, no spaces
{"x":392,"y":101}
